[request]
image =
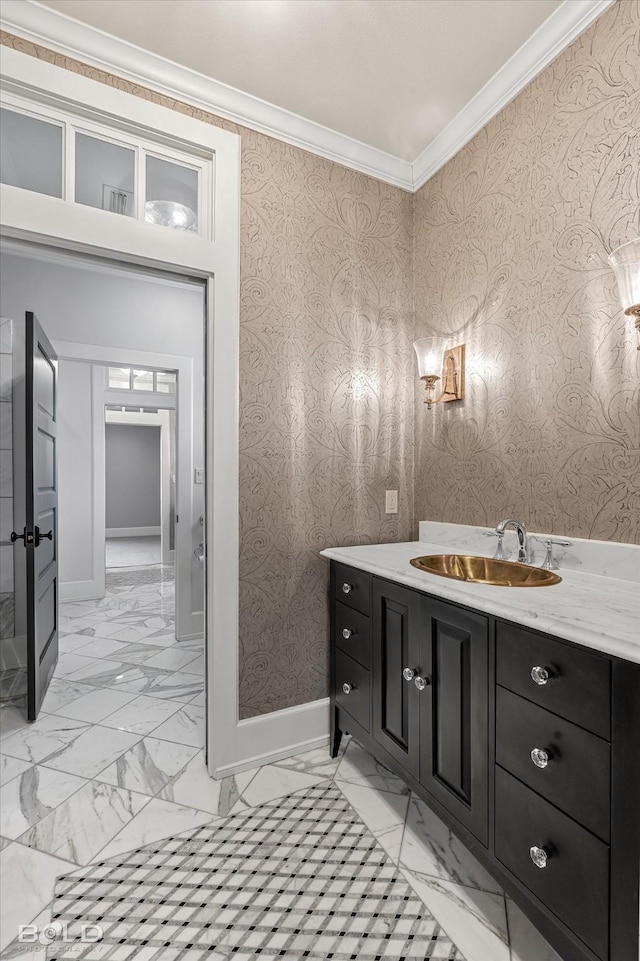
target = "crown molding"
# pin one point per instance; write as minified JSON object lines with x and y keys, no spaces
{"x":565,"y":24}
{"x":63,"y":35}
{"x":60,"y":33}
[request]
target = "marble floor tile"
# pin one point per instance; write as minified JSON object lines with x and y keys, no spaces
{"x":273,"y":781}
{"x":137,"y":653}
{"x":196,"y":666}
{"x":200,"y":699}
{"x":94,"y":749}
{"x":430,"y":848}
{"x":527,"y":944}
{"x":11,"y":767}
{"x":46,"y":737}
{"x":359,"y":767}
{"x":69,"y":664}
{"x":33,"y":795}
{"x":177,"y":686}
{"x":193,"y":786}
{"x":101,"y":672}
{"x":172,"y":659}
{"x":157,"y":820}
{"x":383,"y":812}
{"x":17,"y":951}
{"x":32,"y":876}
{"x":96,"y":705}
{"x":318,"y":762}
{"x":83,"y":824}
{"x":12,"y":720}
{"x":137,"y":679}
{"x":142,"y":715}
{"x":133,"y":633}
{"x":103,"y":647}
{"x":475,"y":920}
{"x":186,"y":726}
{"x":71,"y":643}
{"x":159,"y":641}
{"x":61,"y":692}
{"x":149,"y":766}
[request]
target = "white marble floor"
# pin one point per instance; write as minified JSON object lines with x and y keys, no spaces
{"x":115,"y":761}
{"x":132,"y":551}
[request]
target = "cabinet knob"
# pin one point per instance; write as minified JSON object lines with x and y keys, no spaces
{"x":421,"y":682}
{"x":540,"y":757}
{"x":539,"y":856}
{"x":408,"y":674}
{"x":347,"y":588}
{"x":539,"y":674}
{"x":348,"y":688}
{"x":347,"y":633}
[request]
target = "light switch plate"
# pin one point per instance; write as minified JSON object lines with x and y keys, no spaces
{"x":198,"y":477}
{"x":391,"y":502}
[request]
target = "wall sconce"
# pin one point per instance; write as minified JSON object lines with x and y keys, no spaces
{"x":436,"y":362}
{"x":625,"y":261}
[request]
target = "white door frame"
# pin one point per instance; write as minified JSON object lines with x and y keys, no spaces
{"x":130,"y":418}
{"x":232,"y":744}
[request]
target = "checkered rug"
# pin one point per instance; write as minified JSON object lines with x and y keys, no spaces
{"x":300,"y":877}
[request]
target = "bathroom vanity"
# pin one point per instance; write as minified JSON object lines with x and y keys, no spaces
{"x":515,"y":714}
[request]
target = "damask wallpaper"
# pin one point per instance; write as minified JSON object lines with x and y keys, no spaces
{"x":505,"y":249}
{"x":326,"y":391}
{"x":511,"y":245}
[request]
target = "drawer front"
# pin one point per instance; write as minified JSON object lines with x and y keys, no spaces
{"x":352,"y":587}
{"x":576,"y":777}
{"x":352,"y":633}
{"x":578,"y":685}
{"x":575,"y":882}
{"x":357,"y":701}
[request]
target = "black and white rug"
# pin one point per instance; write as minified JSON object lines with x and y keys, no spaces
{"x":300,"y":877}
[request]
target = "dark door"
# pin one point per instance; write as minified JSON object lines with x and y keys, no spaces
{"x":454,"y":714}
{"x":398,"y":616}
{"x":40,"y":534}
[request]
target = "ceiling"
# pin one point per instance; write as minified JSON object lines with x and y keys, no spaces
{"x":392,"y":88}
{"x":389,"y":73}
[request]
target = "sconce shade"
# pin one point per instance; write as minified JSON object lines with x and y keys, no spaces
{"x":429,"y":351}
{"x":625,"y":261}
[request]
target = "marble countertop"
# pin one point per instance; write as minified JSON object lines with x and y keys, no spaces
{"x":599,"y":612}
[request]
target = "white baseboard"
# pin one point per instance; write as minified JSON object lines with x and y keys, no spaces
{"x":133,"y":531}
{"x":80,"y":591}
{"x":270,"y":737}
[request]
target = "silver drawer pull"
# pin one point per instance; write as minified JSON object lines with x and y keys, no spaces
{"x":421,"y":682}
{"x":347,"y":588}
{"x":347,"y":633}
{"x":348,"y":688}
{"x":539,"y":674}
{"x":540,"y":757}
{"x":539,"y":856}
{"x":408,"y":674}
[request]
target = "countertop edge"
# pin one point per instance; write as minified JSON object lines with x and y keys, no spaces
{"x":464,"y":594}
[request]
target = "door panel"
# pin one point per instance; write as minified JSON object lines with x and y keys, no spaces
{"x":397,"y":616}
{"x":454,"y":714}
{"x":40,"y":536}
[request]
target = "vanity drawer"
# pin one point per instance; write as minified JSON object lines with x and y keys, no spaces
{"x":575,"y":882}
{"x":352,"y":587}
{"x":352,"y":633}
{"x":576,"y":777}
{"x":356,"y":702}
{"x":573,"y":683}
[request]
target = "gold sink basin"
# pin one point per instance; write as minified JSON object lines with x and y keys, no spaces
{"x":485,"y":570}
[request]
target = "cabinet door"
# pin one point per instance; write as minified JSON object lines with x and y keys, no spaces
{"x":398,"y":615}
{"x":454,"y":714}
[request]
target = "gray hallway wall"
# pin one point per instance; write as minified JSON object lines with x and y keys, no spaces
{"x":132,"y":476}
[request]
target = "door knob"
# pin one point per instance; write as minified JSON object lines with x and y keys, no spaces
{"x":41,"y":537}
{"x":26,"y":536}
{"x":408,"y":674}
{"x":421,"y":682}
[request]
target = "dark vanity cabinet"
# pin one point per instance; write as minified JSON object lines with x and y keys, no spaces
{"x":527,"y":746}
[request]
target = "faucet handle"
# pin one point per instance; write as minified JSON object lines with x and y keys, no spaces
{"x":550,"y":563}
{"x":499,"y":554}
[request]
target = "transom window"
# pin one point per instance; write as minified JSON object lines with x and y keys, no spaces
{"x":151,"y":381}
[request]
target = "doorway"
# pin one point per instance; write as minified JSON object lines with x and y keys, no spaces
{"x":102,"y":319}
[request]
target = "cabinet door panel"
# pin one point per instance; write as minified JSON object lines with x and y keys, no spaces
{"x":454,"y":714}
{"x":397,"y":616}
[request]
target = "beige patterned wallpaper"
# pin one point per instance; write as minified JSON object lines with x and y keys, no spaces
{"x":509,"y":254}
{"x":326,"y":383}
{"x":511,"y":244}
